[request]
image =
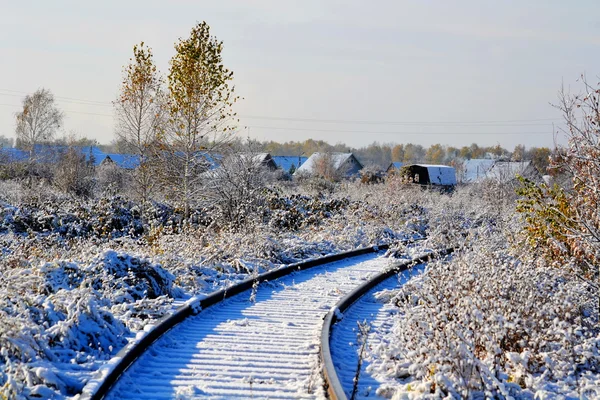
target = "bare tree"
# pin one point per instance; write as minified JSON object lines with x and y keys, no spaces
{"x":73,"y":173}
{"x":38,"y":121}
{"x":138,"y":115}
{"x":6,"y":141}
{"x":236,"y":187}
{"x":329,"y":166}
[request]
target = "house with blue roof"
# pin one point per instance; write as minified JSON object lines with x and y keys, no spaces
{"x":92,"y":154}
{"x":394,"y":167}
{"x":11,"y":154}
{"x":285,"y":162}
{"x":125,"y":161}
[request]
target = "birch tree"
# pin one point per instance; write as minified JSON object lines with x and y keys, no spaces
{"x":38,"y":121}
{"x":200,"y":101}
{"x":138,"y":114}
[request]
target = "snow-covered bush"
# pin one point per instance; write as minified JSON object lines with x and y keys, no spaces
{"x":73,"y":174}
{"x":562,"y":224}
{"x":70,"y":267}
{"x":236,"y":188}
{"x":491,"y":322}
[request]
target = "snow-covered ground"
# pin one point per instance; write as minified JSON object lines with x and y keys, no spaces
{"x":489,"y":324}
{"x":79,"y":279}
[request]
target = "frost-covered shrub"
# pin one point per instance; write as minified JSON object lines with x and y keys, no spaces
{"x":487,"y":323}
{"x":316,"y":184}
{"x":72,"y":267}
{"x":106,"y":217}
{"x":297,"y":211}
{"x":128,"y":278}
{"x":50,"y":319}
{"x":112,"y":177}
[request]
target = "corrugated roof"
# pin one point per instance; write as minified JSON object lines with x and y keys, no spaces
{"x":507,"y":170}
{"x":338,"y":160}
{"x":286,"y":162}
{"x":12,"y":154}
{"x":440,"y":174}
{"x":125,"y":161}
{"x":92,"y":152}
{"x":476,"y":169}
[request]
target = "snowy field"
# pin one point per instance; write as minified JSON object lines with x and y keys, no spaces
{"x":80,"y":278}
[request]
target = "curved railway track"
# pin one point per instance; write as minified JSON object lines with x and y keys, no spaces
{"x":254,"y":341}
{"x":339,"y":349}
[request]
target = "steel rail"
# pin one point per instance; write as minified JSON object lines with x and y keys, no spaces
{"x":333,"y":385}
{"x":100,"y":386}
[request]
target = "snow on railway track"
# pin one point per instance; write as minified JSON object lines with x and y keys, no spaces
{"x":339,"y":350}
{"x":345,"y":343}
{"x":262,"y":343}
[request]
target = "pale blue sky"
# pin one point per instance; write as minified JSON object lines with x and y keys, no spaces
{"x":419,"y":64}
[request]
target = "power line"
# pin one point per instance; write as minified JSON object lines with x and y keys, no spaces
{"x":337,"y":130}
{"x":341,"y":121}
{"x":65,"y":99}
{"x":516,"y":122}
{"x":66,"y":111}
{"x":400,"y":133}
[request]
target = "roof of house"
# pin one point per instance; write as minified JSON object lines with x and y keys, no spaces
{"x":52,"y":153}
{"x":12,"y":154}
{"x":507,"y":170}
{"x":125,"y":161}
{"x":92,"y":152}
{"x":338,"y":159}
{"x":286,"y":162}
{"x":440,"y":174}
{"x":476,"y":169}
{"x":395,"y":165}
{"x":263,"y":159}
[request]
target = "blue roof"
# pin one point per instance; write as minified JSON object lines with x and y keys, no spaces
{"x":126,"y":161}
{"x":286,"y":162}
{"x":51,"y":153}
{"x":13,"y":155}
{"x":93,"y":151}
{"x":213,"y":159}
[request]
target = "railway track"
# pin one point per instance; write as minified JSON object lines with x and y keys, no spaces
{"x":340,"y":348}
{"x":254,"y":341}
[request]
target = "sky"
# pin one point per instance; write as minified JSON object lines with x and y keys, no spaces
{"x":356,"y":72}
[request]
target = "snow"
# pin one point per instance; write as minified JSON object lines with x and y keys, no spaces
{"x":374,"y":309}
{"x":452,"y":335}
{"x":505,"y":171}
{"x":82,"y":279}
